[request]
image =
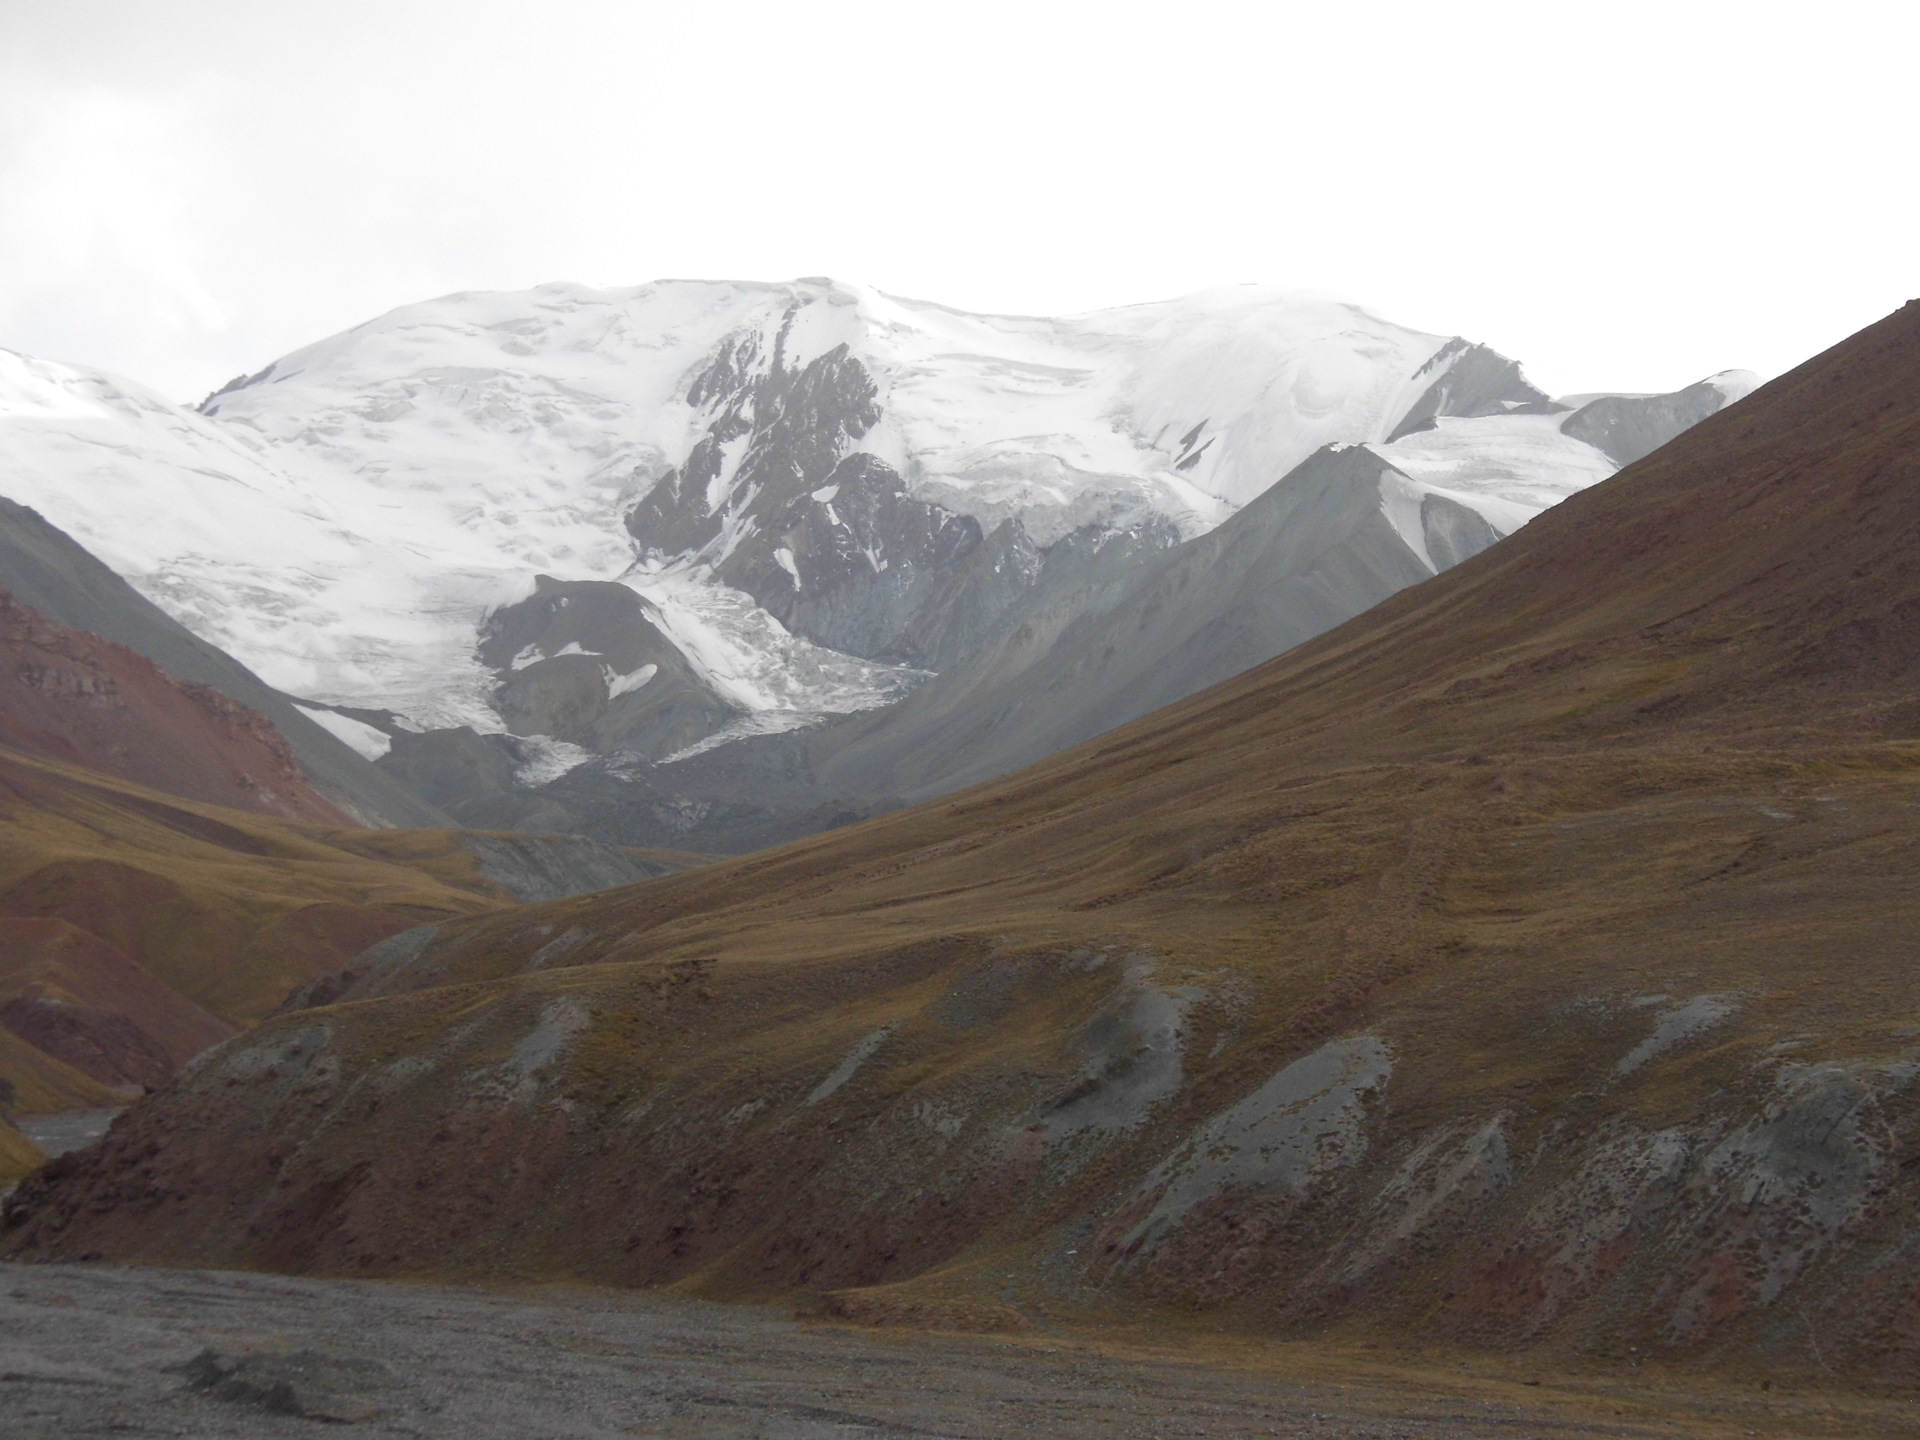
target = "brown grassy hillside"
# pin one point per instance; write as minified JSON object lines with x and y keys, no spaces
{"x":228,"y":909}
{"x":75,"y":997}
{"x":32,"y":1081}
{"x":137,"y":928}
{"x":1529,"y":963}
{"x":19,"y":1156}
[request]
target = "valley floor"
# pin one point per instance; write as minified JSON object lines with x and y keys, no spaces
{"x":90,"y":1350}
{"x":58,"y":1131}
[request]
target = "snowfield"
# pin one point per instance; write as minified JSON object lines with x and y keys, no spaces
{"x":344,"y":520}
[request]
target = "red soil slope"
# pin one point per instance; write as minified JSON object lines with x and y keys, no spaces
{"x":66,"y":695}
{"x":1528,"y":963}
{"x":82,"y":1000}
{"x":137,"y":928}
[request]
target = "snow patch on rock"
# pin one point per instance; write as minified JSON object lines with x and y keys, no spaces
{"x":362,"y":737}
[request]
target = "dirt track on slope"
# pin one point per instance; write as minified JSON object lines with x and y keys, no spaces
{"x":91,"y":1350}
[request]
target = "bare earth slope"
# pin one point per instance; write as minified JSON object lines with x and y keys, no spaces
{"x":68,"y":695}
{"x":1528,"y":960}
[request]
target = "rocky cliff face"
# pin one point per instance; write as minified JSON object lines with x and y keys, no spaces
{"x":1469,"y":381}
{"x":1629,"y":427}
{"x":587,"y":663}
{"x":775,"y":497}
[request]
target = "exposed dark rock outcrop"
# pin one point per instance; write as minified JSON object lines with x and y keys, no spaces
{"x":586,"y":662}
{"x":776,"y":498}
{"x":1471,"y":380}
{"x":309,"y":1384}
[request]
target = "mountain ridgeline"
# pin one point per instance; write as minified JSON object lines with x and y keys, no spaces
{"x":1467,"y":970}
{"x":707,"y":565}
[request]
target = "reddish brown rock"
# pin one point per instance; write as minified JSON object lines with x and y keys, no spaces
{"x":67,"y":695}
{"x":82,"y":1000}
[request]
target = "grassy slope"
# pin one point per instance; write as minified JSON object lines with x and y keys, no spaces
{"x":19,"y":1156}
{"x":34,"y":1082}
{"x":1659,"y":749}
{"x":230,"y":909}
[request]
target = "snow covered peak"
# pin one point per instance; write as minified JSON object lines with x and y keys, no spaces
{"x":1060,"y":422}
{"x":772,"y":464}
{"x":1734,"y":384}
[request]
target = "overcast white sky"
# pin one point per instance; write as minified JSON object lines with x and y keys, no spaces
{"x":1620,"y":195}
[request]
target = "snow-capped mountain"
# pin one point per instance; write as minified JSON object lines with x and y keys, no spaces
{"x":818,"y":494}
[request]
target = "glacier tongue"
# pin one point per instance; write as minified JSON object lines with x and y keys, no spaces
{"x":753,"y":660}
{"x":1508,"y":467}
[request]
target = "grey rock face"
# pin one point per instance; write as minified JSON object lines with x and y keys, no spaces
{"x":45,"y":567}
{"x":1115,"y":625}
{"x":1627,"y":428}
{"x":1453,"y":531}
{"x":1469,"y":380}
{"x":586,"y":662}
{"x":828,"y":540}
{"x":1313,"y":551}
{"x":458,"y":768}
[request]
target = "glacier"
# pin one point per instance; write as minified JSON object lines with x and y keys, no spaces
{"x":345,"y":520}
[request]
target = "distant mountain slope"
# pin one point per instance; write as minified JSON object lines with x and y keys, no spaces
{"x":1110,"y":631}
{"x":1527,"y":961}
{"x":138,"y":927}
{"x":47,"y":569}
{"x":1342,"y":532}
{"x":821,"y":495}
{"x":67,"y":695}
{"x":344,"y":520}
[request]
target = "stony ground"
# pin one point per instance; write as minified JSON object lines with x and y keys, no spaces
{"x":91,"y":1350}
